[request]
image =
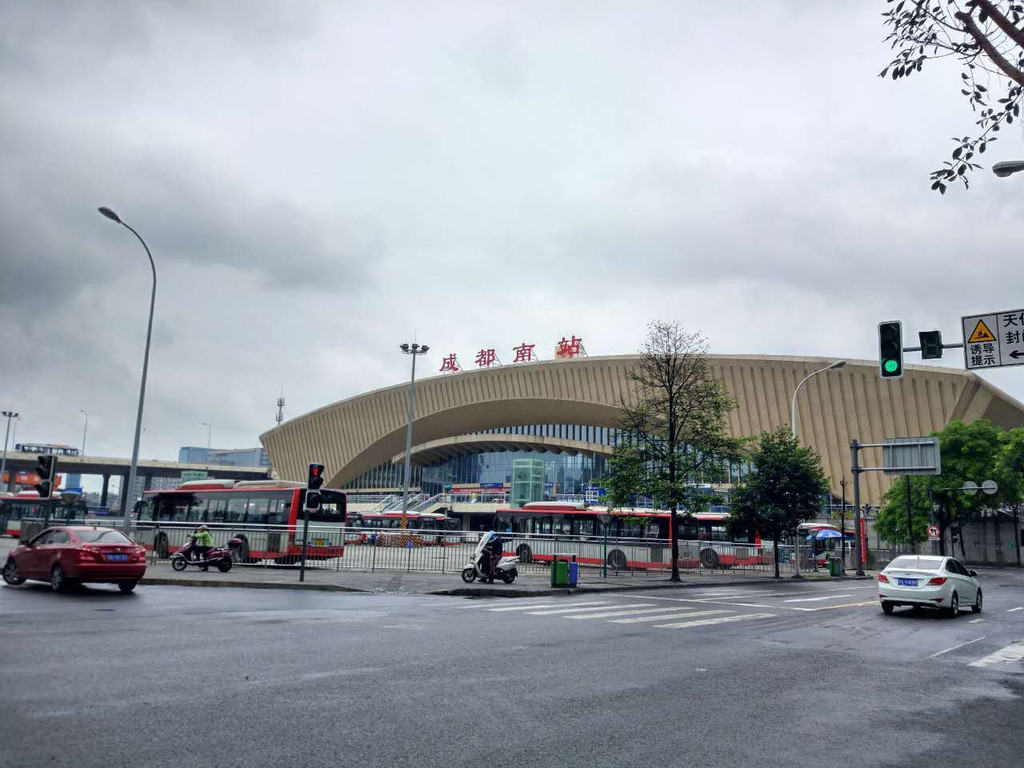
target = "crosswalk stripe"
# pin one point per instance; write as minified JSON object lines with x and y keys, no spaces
{"x":525,"y":607}
{"x":573,"y":609}
{"x":719,"y":620}
{"x":638,"y":619}
{"x":814,"y":599}
{"x":1013,"y":610}
{"x":1012,"y":652}
{"x":636,"y":609}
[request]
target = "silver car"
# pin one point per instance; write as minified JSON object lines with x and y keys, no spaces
{"x":928,"y":582}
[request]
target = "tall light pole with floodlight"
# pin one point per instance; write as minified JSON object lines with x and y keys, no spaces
{"x":792,"y":420}
{"x":145,"y":369}
{"x":1008,"y":168}
{"x":414,"y":350}
{"x":209,"y":435}
{"x":85,"y":429}
{"x":3,"y":462}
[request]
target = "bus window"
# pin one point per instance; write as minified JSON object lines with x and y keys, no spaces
{"x":258,"y":510}
{"x":217,"y":510}
{"x":173,"y":509}
{"x":146,"y":509}
{"x":236,"y":510}
{"x":196,"y":510}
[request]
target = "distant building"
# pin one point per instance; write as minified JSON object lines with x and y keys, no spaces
{"x":232,"y":457}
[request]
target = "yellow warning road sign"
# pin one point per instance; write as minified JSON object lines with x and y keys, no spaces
{"x":981,"y":334}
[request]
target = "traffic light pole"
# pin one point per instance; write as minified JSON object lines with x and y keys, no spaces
{"x":855,"y":469}
{"x":305,"y":538}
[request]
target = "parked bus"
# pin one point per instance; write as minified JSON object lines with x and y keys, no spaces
{"x":636,"y":537}
{"x":420,"y":521}
{"x":18,"y":508}
{"x":265,"y":515}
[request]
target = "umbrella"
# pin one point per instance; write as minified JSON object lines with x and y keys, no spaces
{"x":827,"y":533}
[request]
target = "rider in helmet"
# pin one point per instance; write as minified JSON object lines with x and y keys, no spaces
{"x":204,"y":542}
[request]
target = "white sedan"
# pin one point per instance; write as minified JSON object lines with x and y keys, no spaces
{"x":928,"y":582}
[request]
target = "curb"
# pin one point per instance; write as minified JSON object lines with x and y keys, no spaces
{"x":250,"y":585}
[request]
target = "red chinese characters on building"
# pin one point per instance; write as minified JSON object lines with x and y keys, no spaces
{"x":450,"y":364}
{"x":569,"y":347}
{"x":486,"y":358}
{"x":524,"y":353}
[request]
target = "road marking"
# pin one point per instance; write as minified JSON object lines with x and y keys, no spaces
{"x":975,"y":621}
{"x":1013,"y":652}
{"x":955,"y":647}
{"x":638,"y":619}
{"x":814,"y":599}
{"x":830,"y":607}
{"x":573,"y":609}
{"x":720,"y":620}
{"x":636,"y":609}
{"x":524,"y":607}
{"x":1011,"y":610}
{"x":702,"y":600}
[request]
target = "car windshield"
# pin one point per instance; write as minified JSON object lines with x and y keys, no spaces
{"x":102,"y":536}
{"x":917,"y":563}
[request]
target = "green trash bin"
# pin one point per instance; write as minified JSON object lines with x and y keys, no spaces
{"x":833,"y":567}
{"x":560,"y":570}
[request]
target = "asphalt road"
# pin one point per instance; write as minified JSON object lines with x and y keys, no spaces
{"x":785,"y":674}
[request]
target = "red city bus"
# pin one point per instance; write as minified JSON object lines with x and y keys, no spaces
{"x":266,"y":515}
{"x":26,"y":505}
{"x":637,"y":538}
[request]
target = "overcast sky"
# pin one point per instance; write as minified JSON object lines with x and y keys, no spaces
{"x":321,"y":181}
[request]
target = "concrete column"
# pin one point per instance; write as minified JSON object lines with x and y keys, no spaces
{"x":103,"y":493}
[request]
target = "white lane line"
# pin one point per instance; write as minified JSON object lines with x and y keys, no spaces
{"x":975,"y":621}
{"x":1011,"y":610}
{"x":708,"y":601}
{"x":1013,"y":652}
{"x":955,"y":647}
{"x":830,"y":607}
{"x":602,"y":614}
{"x":574,"y":609}
{"x":720,"y":620}
{"x":529,"y":607}
{"x":815,"y":599}
{"x":638,"y":619}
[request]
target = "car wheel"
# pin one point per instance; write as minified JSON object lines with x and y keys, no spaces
{"x":954,"y":606}
{"x":11,"y":573}
{"x":887,"y":607}
{"x":708,"y":558}
{"x":524,"y":553}
{"x":127,"y":586}
{"x":977,"y":603}
{"x":58,"y":581}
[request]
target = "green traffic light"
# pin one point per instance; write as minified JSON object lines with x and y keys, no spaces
{"x":891,"y":366}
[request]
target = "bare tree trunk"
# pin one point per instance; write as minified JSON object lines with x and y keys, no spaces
{"x":675,"y":543}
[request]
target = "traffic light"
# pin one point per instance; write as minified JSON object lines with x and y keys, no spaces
{"x":931,"y":344}
{"x":46,"y":468}
{"x":890,"y":349}
{"x":314,"y":480}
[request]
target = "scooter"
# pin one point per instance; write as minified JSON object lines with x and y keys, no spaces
{"x":506,"y":569}
{"x":217,"y":556}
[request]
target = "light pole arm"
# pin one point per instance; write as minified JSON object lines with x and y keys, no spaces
{"x":792,"y":415}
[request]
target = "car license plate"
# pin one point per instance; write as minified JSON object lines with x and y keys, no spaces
{"x":907,"y":582}
{"x":117,"y":558}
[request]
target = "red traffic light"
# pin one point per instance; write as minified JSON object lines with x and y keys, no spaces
{"x":315,"y":478}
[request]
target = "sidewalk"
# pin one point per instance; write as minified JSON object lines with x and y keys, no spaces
{"x":428,"y":583}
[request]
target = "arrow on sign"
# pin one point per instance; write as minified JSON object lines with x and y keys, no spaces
{"x":1016,"y":353}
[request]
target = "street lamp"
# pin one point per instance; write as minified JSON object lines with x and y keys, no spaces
{"x":3,"y":462}
{"x":792,"y":420}
{"x":209,"y":433}
{"x":85,"y":429}
{"x":1002,"y":170}
{"x":145,"y":369}
{"x":414,"y":350}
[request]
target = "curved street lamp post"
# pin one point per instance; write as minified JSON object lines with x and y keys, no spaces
{"x":3,"y":462}
{"x":796,"y":539}
{"x":145,"y":369}
{"x":414,"y":350}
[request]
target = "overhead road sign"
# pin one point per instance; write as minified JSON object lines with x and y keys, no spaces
{"x":911,"y":456}
{"x":993,"y":340}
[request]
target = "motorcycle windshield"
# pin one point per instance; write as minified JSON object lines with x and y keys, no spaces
{"x":482,"y":544}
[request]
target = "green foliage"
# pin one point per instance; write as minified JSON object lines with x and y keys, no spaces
{"x":987,"y":39}
{"x":891,"y":523}
{"x":1009,"y":469}
{"x":785,"y":489}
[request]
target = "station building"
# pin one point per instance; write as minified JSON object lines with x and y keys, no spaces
{"x":558,"y":420}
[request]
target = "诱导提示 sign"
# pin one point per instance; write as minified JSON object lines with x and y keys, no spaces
{"x":993,"y":340}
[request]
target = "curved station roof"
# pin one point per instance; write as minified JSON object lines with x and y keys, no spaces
{"x":362,"y":432}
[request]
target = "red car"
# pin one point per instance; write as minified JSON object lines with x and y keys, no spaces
{"x":73,"y":554}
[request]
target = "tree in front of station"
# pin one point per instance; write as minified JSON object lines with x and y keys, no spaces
{"x":1009,"y":473}
{"x":986,"y":37}
{"x":786,"y":487}
{"x":969,"y":452}
{"x":674,"y":426}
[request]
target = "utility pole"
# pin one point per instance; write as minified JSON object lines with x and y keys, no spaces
{"x":855,"y":469}
{"x":910,"y":516}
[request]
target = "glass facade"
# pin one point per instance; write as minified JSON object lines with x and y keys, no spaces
{"x":564,"y":474}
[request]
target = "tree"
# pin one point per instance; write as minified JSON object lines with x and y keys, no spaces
{"x":1009,"y":473}
{"x":786,"y":488}
{"x":987,"y":38}
{"x":675,"y":424}
{"x":891,"y":523}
